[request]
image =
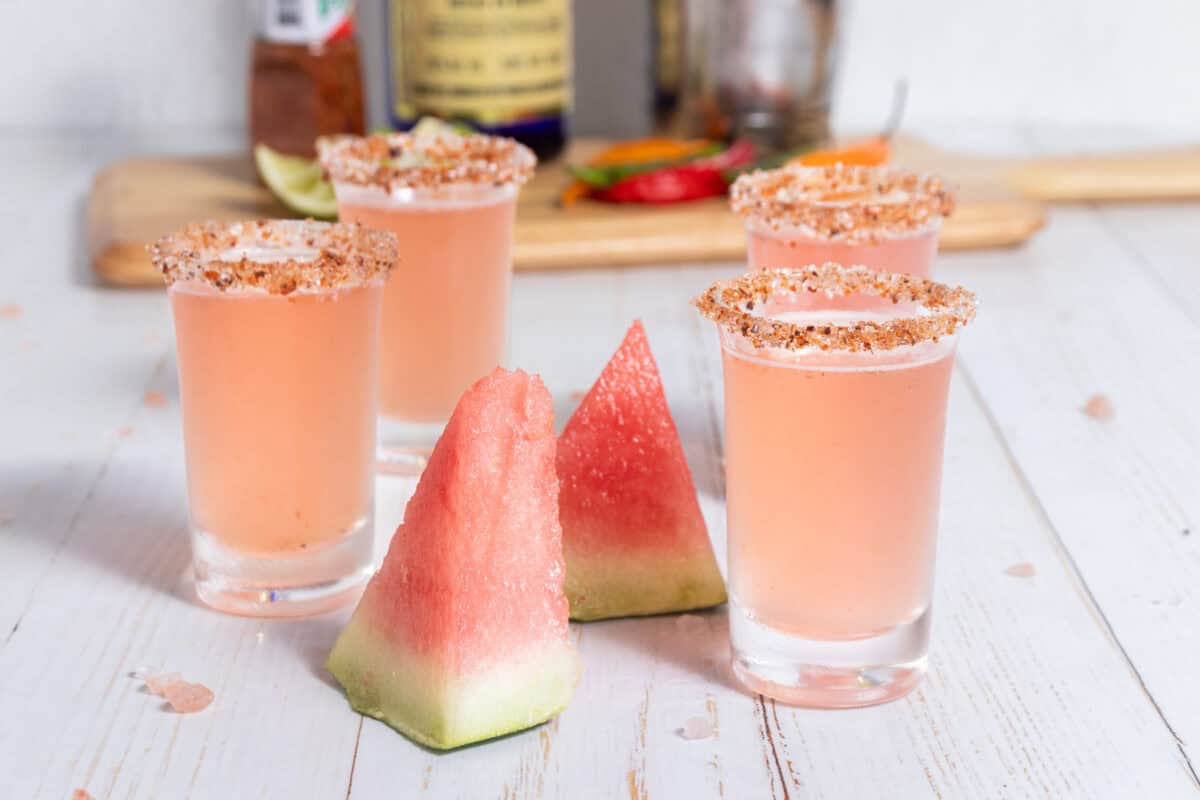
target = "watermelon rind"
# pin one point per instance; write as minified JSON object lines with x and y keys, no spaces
{"x":624,"y":586}
{"x":444,"y":712}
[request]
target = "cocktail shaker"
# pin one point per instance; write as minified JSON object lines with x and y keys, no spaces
{"x":759,"y":69}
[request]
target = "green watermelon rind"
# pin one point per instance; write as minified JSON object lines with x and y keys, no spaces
{"x":387,"y":682}
{"x":636,"y":586}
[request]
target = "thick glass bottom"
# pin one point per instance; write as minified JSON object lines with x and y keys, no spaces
{"x":828,"y":674}
{"x":404,"y":447}
{"x":299,"y":583}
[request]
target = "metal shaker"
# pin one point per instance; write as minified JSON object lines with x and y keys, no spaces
{"x":759,"y":69}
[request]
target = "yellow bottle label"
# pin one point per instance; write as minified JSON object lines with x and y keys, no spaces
{"x":493,"y":61}
{"x":669,"y":55}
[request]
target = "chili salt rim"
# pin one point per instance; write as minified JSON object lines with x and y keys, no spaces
{"x":447,"y":158}
{"x":901,"y":201}
{"x":347,"y":254}
{"x":729,"y":303}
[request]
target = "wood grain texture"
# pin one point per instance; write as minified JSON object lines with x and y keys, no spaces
{"x":1087,"y":174}
{"x":135,"y":201}
{"x":1165,"y":175}
{"x":1071,"y":683}
{"x":1077,"y":314}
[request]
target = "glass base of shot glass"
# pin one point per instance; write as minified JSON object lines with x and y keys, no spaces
{"x":309,"y":581}
{"x":404,"y":447}
{"x":828,"y":674}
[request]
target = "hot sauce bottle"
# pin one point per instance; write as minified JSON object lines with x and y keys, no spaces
{"x":305,"y":79}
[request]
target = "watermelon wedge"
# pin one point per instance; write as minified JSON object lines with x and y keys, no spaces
{"x":462,"y":634}
{"x":634,"y":539}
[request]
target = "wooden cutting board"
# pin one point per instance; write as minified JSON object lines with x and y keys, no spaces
{"x":134,"y":201}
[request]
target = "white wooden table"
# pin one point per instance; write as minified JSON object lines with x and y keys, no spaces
{"x":1081,"y":681}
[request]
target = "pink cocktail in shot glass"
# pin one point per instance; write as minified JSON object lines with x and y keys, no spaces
{"x":451,"y":201}
{"x":835,"y":418}
{"x":879,"y":217}
{"x":276,"y":332}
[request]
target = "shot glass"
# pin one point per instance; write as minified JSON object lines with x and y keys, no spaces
{"x":276,"y":333}
{"x":878,"y":217}
{"x":451,"y":201}
{"x":834,"y":428}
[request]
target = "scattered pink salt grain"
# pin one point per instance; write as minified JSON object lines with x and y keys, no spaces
{"x":81,"y":794}
{"x":188,"y":698}
{"x":155,"y":400}
{"x":1022,"y":570}
{"x":11,"y":311}
{"x":184,"y":697}
{"x":157,"y":684}
{"x":696,"y":728}
{"x":125,"y":431}
{"x":576,"y":396}
{"x":1099,"y":407}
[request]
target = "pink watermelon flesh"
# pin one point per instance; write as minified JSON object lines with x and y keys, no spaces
{"x":634,"y":539}
{"x":462,"y":634}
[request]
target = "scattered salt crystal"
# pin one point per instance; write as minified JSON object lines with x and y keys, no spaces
{"x":125,"y":431}
{"x":155,"y":399}
{"x":158,"y":684}
{"x":696,"y":728}
{"x":1022,"y":570}
{"x":188,"y":698}
{"x":184,"y":697}
{"x":1099,"y":407}
{"x":11,"y":311}
{"x":81,"y":794}
{"x":691,"y":623}
{"x":576,"y":396}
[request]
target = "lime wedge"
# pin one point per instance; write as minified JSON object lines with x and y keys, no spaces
{"x":432,"y":126}
{"x":298,"y":183}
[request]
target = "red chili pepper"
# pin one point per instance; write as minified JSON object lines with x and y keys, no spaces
{"x":670,"y":185}
{"x":737,"y":154}
{"x":693,"y":180}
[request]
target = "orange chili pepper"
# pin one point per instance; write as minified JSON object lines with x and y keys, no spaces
{"x":639,"y":151}
{"x":576,"y":190}
{"x":871,"y":152}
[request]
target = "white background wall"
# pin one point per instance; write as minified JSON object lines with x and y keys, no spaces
{"x":147,"y":64}
{"x":1090,"y":62}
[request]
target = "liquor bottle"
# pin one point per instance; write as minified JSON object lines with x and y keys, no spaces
{"x":305,"y":79}
{"x":668,"y":56}
{"x":502,"y":66}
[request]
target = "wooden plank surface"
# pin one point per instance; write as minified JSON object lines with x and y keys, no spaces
{"x":134,"y":201}
{"x":1089,"y":316}
{"x":1071,"y":683}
